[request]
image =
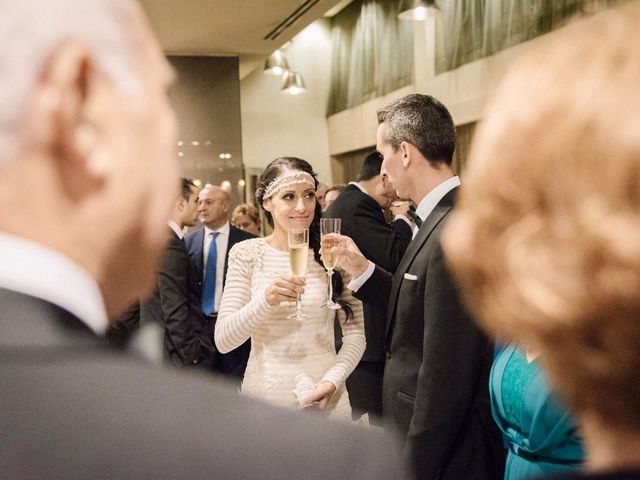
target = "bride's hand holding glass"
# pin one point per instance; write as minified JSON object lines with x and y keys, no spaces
{"x":285,"y":288}
{"x":298,"y":240}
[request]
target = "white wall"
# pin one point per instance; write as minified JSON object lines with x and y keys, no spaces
{"x":274,"y":124}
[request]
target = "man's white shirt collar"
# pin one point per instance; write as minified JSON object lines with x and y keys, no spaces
{"x":431,"y":199}
{"x":176,"y":229}
{"x":360,"y":187}
{"x":223,"y":230}
{"x":33,"y":269}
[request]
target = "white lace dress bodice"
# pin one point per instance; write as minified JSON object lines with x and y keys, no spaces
{"x":282,"y":348}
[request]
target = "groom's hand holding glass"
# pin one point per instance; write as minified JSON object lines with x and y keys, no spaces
{"x":348,"y":256}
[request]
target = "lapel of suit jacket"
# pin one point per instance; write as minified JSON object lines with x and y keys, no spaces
{"x":443,"y":207}
{"x":199,"y":249}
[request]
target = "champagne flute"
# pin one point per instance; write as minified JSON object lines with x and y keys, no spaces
{"x":298,"y":257}
{"x":328,"y":228}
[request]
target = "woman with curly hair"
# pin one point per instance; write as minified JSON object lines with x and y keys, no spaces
{"x":546,"y":239}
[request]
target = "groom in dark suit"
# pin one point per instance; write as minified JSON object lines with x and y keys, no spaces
{"x":213,"y":242}
{"x":360,"y":207}
{"x":435,"y":390}
{"x":87,"y":178}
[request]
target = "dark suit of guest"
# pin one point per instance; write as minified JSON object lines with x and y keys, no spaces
{"x":235,"y":362}
{"x":436,"y":376}
{"x":175,"y":305}
{"x":384,"y":244}
{"x":72,"y":408}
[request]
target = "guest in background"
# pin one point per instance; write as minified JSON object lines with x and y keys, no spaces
{"x":209,"y":251}
{"x":540,"y":432}
{"x":246,"y":217}
{"x":332,"y":193}
{"x":175,"y":302}
{"x":546,"y":240}
{"x":320,"y":193}
{"x":360,"y":207}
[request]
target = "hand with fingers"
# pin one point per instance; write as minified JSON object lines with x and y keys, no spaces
{"x":399,"y":207}
{"x":349,"y":257}
{"x":320,"y":396}
{"x":285,"y":288}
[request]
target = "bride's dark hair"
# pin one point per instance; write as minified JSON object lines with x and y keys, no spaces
{"x":273,"y":171}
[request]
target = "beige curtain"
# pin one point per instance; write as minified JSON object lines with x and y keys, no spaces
{"x":372,"y":53}
{"x":468,"y":30}
{"x":464,"y":134}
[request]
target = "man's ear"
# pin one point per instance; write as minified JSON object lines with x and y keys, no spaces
{"x":384,"y":179}
{"x":405,"y":150}
{"x":180,"y":204}
{"x":62,"y":127}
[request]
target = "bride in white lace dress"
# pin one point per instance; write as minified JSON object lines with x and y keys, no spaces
{"x":258,"y":296}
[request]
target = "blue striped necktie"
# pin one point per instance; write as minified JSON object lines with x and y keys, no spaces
{"x":209,"y":286}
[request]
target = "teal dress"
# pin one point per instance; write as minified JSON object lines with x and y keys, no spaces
{"x":541,"y":434}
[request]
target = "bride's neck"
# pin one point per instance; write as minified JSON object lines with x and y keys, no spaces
{"x":278,"y":240}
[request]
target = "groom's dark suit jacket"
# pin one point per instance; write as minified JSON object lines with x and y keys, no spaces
{"x":234,"y":362}
{"x":72,"y":408}
{"x":436,"y":376}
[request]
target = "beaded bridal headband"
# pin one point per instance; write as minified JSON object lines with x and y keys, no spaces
{"x":286,"y":180}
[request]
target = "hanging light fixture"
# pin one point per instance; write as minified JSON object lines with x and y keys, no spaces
{"x":276,"y":64}
{"x":419,"y":10}
{"x":293,"y":83}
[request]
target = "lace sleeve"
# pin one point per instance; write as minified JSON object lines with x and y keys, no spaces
{"x":353,"y":342}
{"x":239,"y":313}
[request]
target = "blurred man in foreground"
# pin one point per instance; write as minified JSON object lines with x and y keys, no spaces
{"x":87,"y":180}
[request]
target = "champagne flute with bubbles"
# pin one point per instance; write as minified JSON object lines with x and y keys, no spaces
{"x":329,"y":227}
{"x":298,"y":258}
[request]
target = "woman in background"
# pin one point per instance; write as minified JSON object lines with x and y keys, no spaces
{"x":245,"y":217}
{"x":540,"y":432}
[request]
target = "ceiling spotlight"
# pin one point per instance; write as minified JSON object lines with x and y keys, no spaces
{"x":419,"y":10}
{"x":276,"y":64}
{"x":293,"y":83}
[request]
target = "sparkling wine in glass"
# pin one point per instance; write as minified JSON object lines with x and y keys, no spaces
{"x":298,"y":258}
{"x":329,"y":227}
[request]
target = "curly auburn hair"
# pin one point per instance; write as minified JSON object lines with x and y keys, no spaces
{"x":545,"y":241}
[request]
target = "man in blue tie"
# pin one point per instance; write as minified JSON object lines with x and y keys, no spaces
{"x":208,"y":248}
